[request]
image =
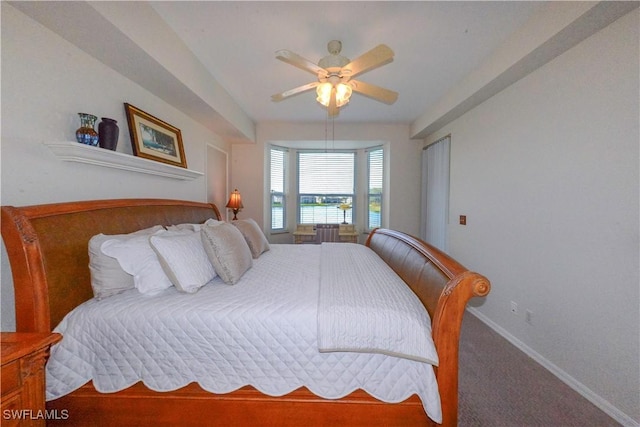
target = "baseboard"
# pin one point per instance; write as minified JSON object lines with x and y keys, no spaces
{"x":580,"y":388}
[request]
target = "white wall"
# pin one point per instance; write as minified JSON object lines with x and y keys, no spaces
{"x":249,"y":163}
{"x":46,"y":81}
{"x":547,"y":174}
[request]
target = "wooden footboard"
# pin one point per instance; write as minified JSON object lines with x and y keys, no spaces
{"x":444,"y":287}
{"x":192,"y":406}
{"x":47,"y":248}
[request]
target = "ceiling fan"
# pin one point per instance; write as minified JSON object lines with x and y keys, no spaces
{"x":336,"y":74}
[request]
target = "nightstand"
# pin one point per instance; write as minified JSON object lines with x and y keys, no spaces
{"x":23,"y":357}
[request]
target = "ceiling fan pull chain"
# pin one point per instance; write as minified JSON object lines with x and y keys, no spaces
{"x":333,"y":133}
{"x":326,"y":124}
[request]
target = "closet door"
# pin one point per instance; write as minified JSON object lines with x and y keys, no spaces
{"x":435,"y":193}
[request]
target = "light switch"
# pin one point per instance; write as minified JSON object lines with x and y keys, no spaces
{"x":463,"y":220}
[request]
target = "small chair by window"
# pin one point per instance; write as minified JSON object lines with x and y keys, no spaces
{"x":305,"y":233}
{"x":348,"y":233}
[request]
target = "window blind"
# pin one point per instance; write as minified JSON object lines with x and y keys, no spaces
{"x":376,"y":172}
{"x":326,"y":181}
{"x":276,"y":183}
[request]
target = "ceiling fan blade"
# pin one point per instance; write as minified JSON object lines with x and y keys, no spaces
{"x":379,"y":55}
{"x":375,"y":92}
{"x":300,"y":62}
{"x":295,"y":91}
{"x":333,"y":105}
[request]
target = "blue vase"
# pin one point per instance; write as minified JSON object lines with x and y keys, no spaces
{"x":86,"y":134}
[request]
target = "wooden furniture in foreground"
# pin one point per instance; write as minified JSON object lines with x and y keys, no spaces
{"x":23,"y":357}
{"x":47,"y":247}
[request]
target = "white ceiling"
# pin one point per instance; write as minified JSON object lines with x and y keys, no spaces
{"x":436,"y":44}
{"x":218,"y":64}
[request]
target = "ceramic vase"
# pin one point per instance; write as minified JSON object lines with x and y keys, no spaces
{"x":86,"y":134}
{"x":108,"y":133}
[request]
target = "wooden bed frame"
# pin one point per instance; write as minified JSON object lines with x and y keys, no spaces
{"x":47,"y":247}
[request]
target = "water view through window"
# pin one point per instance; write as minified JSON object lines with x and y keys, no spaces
{"x":324,"y":215}
{"x":326,"y":188}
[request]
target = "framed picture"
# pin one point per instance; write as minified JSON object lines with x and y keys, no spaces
{"x":151,"y":138}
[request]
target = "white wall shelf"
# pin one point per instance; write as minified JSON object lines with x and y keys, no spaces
{"x":76,"y":152}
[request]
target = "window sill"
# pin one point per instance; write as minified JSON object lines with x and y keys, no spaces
{"x":81,"y":153}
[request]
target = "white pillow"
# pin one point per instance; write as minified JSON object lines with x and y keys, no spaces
{"x":227,"y":250}
{"x":137,"y":258}
{"x":254,"y":236}
{"x":107,"y":277}
{"x":184,"y":260}
{"x":191,"y":227}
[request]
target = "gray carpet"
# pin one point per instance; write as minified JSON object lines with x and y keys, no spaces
{"x":502,"y":386}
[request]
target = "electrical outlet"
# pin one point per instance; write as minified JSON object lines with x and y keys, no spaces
{"x":529,"y":317}
{"x":514,"y":307}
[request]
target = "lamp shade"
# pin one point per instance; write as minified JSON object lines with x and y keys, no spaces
{"x":343,"y":93}
{"x":324,"y":93}
{"x":235,"y":200}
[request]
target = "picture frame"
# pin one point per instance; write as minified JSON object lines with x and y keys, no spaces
{"x":154,"y":139}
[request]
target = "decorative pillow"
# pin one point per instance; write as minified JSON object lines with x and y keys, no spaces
{"x":137,"y":258}
{"x":254,"y":236}
{"x":184,"y":260}
{"x":191,"y":227}
{"x":227,"y":250}
{"x":107,"y":277}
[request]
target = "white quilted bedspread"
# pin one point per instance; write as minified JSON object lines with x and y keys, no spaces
{"x":225,"y":337}
{"x":363,"y":302}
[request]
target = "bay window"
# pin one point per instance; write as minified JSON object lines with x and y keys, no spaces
{"x":326,"y":186}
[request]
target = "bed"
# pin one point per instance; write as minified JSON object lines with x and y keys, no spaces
{"x":47,"y":248}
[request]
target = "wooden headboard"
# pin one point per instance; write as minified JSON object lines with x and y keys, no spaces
{"x":48,"y":248}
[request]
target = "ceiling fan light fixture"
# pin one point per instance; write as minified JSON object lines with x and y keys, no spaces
{"x":323,"y":90}
{"x":336,"y":73}
{"x":343,"y":93}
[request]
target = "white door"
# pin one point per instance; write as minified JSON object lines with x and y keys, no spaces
{"x":435,"y":193}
